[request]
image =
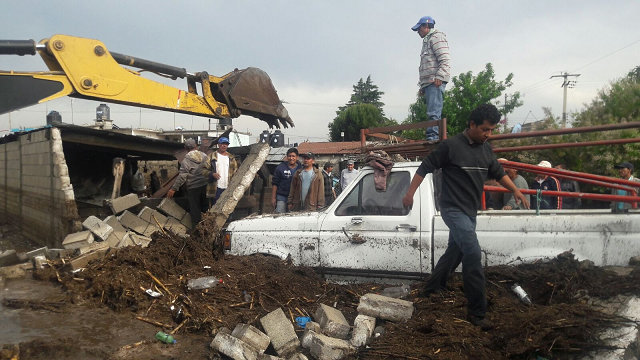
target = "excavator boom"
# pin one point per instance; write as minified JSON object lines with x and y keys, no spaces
{"x":84,"y":68}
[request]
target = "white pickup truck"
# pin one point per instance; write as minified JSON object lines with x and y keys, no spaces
{"x":369,"y":233}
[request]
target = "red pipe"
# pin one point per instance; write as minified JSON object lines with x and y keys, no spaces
{"x":601,"y":197}
{"x":575,"y":130}
{"x":563,"y":173}
{"x":565,"y":145}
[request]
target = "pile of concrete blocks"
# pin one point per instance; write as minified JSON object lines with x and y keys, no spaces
{"x":330,"y":337}
{"x":125,"y":228}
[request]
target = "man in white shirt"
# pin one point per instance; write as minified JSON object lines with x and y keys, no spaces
{"x":221,"y":166}
{"x":348,"y":174}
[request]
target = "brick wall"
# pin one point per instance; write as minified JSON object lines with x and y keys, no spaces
{"x":35,"y":188}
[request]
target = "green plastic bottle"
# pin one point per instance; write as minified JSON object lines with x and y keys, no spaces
{"x":165,"y":338}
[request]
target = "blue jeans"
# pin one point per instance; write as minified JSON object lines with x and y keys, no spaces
{"x":281,"y":204}
{"x":433,"y":97}
{"x":213,"y":201}
{"x":463,"y":248}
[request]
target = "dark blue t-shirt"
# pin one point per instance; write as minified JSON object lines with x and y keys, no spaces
{"x":282,"y":177}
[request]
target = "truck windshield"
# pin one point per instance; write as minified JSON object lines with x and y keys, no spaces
{"x":364,"y":199}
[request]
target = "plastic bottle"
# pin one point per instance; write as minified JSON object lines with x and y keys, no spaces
{"x":396,"y":291}
{"x":524,"y":297}
{"x":165,"y":338}
{"x":203,"y":283}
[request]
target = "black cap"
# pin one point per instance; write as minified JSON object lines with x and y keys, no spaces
{"x":309,"y":155}
{"x":623,"y":165}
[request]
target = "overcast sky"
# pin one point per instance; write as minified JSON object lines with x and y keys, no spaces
{"x":315,"y":51}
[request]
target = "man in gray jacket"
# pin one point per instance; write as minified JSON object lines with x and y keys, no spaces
{"x":520,"y":183}
{"x":191,"y":173}
{"x":434,"y":69}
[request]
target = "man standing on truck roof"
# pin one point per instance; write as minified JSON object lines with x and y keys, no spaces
{"x":307,"y":186}
{"x":625,"y":170}
{"x":219,"y":169}
{"x":546,"y":182}
{"x":466,"y":160}
{"x":191,"y":173}
{"x":434,"y":70}
{"x":281,"y":180}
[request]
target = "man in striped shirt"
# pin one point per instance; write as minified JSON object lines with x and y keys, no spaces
{"x":434,"y":70}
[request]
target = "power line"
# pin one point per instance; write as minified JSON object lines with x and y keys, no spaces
{"x":594,"y":61}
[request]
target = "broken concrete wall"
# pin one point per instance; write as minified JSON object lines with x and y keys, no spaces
{"x":35,"y":189}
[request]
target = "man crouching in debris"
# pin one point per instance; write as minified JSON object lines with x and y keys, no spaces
{"x":307,"y":186}
{"x":191,"y":173}
{"x":466,"y":160}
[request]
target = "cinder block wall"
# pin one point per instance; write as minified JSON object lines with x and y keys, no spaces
{"x":35,"y":188}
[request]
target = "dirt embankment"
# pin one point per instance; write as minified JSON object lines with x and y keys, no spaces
{"x":561,"y":324}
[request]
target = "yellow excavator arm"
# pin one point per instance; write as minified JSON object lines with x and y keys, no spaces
{"x":84,"y":68}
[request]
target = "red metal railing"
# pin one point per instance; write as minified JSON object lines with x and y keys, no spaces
{"x":597,"y":180}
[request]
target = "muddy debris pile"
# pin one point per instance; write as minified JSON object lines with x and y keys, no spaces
{"x":153,"y":283}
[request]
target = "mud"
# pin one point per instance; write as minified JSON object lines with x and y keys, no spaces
{"x":562,"y":323}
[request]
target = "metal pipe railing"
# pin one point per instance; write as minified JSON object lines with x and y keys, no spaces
{"x":600,"y":197}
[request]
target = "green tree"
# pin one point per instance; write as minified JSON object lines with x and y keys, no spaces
{"x":634,"y":74}
{"x":365,"y":92}
{"x":463,"y":94}
{"x":356,"y":117}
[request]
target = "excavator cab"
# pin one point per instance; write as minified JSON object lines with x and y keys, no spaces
{"x":84,"y":68}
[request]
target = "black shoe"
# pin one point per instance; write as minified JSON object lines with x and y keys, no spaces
{"x":482,"y":322}
{"x":427,"y":293}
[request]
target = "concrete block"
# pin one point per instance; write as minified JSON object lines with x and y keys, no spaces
{"x":297,"y":356}
{"x":126,"y":241}
{"x":280,"y":330}
{"x":252,"y":336}
{"x":140,"y":240}
{"x":41,"y":251}
{"x":362,"y":330}
{"x":83,"y":260}
{"x":40,"y":262}
{"x":311,"y":329}
{"x":186,"y":221}
{"x":112,"y":241}
{"x":95,"y":246}
{"x":9,"y":257}
{"x":132,"y":222}
{"x":123,"y":203}
{"x":634,"y":261}
{"x":98,"y":228}
{"x":170,"y":208}
{"x":386,"y":308}
{"x":233,"y":347}
{"x":2,"y":282}
{"x":15,"y":271}
{"x":148,"y":214}
{"x":175,"y":226}
{"x":60,"y":253}
{"x":328,"y":348}
{"x":77,"y":240}
{"x":118,"y":230}
{"x":332,"y":322}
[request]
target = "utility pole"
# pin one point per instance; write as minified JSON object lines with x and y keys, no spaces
{"x":565,"y":84}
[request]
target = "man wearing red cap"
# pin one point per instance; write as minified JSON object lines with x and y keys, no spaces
{"x":434,"y":69}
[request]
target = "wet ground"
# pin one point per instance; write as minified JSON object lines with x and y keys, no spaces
{"x":81,"y":332}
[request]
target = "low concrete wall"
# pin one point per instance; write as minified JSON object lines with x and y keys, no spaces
{"x":35,"y":189}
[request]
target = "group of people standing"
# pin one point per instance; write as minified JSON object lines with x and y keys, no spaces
{"x":297,"y":186}
{"x":205,"y":176}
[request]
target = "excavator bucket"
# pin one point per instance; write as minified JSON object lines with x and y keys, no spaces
{"x":252,"y":92}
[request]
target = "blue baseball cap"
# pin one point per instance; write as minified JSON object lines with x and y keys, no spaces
{"x":223,"y":140}
{"x":423,"y":20}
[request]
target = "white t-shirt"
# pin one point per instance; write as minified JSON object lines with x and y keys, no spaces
{"x":222,"y":167}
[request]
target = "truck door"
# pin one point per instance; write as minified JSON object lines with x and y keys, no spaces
{"x":371,"y":231}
